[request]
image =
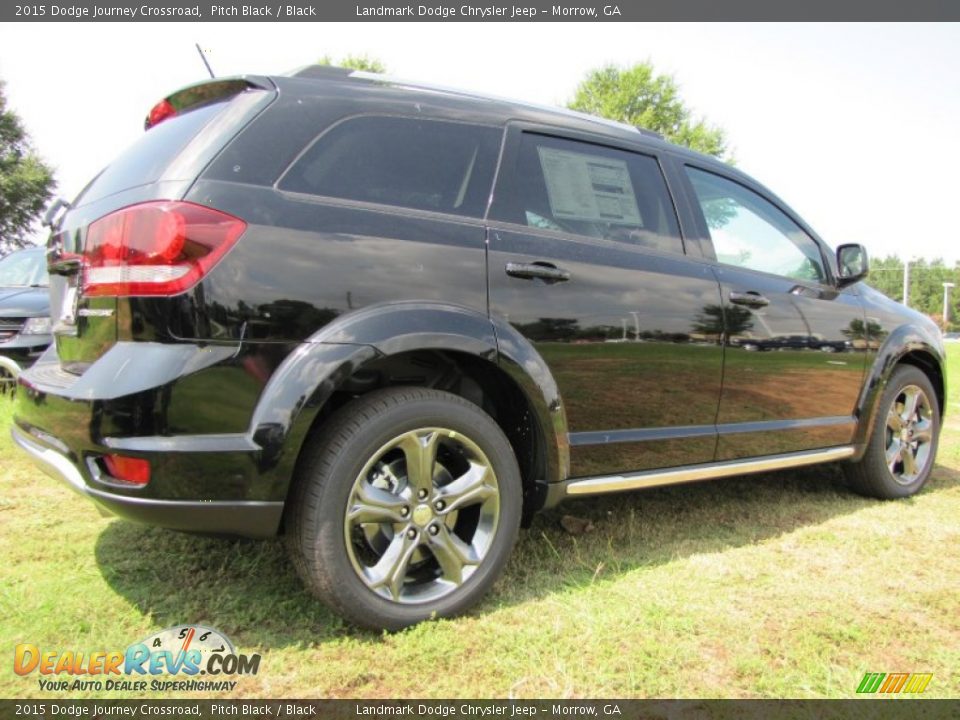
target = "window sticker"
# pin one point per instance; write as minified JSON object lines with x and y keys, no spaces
{"x":589,"y":187}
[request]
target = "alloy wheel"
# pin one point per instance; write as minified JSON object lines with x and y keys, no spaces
{"x":909,"y":434}
{"x":422,"y":515}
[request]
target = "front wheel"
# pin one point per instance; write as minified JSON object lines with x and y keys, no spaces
{"x":903,"y":445}
{"x":406,"y":508}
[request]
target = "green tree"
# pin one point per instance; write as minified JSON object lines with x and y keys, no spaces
{"x":26,"y":182}
{"x":886,"y":275}
{"x":640,"y":96}
{"x":355,"y":62}
{"x":715,"y":320}
{"x":926,"y":285}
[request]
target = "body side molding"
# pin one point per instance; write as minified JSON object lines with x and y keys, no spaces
{"x":706,"y":471}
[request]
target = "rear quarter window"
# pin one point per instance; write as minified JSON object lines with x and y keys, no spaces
{"x":421,"y":164}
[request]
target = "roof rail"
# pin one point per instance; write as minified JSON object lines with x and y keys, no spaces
{"x":330,"y":72}
{"x":651,"y":133}
{"x":321,"y":72}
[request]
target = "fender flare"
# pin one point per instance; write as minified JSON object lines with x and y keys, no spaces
{"x":902,"y":341}
{"x":305,"y":380}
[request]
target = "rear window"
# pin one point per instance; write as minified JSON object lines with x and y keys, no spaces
{"x":422,"y":164}
{"x":146,"y":160}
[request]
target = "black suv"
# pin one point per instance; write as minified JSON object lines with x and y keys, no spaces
{"x":24,"y":312}
{"x":393,"y":321}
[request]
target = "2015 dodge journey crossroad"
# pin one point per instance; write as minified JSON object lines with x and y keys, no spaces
{"x":392,"y":322}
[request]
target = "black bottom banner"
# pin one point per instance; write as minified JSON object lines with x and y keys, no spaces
{"x":878,"y":709}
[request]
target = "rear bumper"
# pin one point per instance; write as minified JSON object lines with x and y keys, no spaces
{"x":183,"y":408}
{"x":248,"y":518}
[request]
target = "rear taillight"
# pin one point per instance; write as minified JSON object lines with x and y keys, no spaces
{"x":155,"y":248}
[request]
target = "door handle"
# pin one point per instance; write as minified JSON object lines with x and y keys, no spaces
{"x":547,"y":272}
{"x":750,"y":299}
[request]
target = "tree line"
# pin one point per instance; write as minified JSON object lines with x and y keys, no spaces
{"x":926,"y":286}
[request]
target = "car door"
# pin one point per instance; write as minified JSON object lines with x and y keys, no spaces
{"x":586,"y":260}
{"x":792,"y":374}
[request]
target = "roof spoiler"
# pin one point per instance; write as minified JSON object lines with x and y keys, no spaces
{"x":201,"y":94}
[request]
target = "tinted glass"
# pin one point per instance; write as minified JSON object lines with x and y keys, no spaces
{"x":750,"y":232}
{"x":145,"y":160}
{"x":587,"y":189}
{"x":24,"y":269}
{"x":422,"y":164}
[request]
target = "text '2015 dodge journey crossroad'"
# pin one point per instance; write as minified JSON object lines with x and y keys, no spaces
{"x":392,"y":322}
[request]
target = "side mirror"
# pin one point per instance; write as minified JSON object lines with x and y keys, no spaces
{"x":853,"y":264}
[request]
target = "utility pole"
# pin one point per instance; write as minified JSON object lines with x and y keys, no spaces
{"x":946,"y":303}
{"x":636,"y":324}
{"x":906,"y":283}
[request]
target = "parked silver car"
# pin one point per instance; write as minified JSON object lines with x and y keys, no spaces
{"x":24,"y":312}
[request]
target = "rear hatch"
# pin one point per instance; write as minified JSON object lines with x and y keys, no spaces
{"x":103,"y":249}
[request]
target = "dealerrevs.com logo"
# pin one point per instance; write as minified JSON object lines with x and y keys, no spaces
{"x":174,"y":659}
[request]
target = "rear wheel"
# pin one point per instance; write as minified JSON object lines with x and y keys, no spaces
{"x":902,"y":448}
{"x":406,"y":508}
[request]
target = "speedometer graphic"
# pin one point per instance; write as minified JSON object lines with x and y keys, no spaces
{"x":196,"y":642}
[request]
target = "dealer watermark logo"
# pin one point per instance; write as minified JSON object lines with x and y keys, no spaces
{"x":894,"y":683}
{"x":174,"y":659}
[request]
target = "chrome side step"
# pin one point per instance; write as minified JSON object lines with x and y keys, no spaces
{"x":693,"y":473}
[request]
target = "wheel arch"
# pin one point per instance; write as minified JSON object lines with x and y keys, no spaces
{"x":443,"y":346}
{"x":907,"y":345}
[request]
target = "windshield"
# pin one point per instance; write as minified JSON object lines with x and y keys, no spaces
{"x":27,"y":268}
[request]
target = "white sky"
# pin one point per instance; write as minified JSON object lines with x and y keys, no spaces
{"x":855,"y":126}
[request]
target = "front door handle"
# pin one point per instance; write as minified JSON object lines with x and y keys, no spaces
{"x":750,"y":299}
{"x":547,"y":272}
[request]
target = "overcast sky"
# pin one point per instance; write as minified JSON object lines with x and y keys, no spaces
{"x":856,"y":126}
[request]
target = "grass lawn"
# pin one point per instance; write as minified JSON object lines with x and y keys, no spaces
{"x":783,"y":585}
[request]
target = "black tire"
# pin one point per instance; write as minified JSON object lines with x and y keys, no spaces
{"x":344,"y":469}
{"x":876,"y":474}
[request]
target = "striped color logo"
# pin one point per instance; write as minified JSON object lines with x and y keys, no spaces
{"x":892,"y":683}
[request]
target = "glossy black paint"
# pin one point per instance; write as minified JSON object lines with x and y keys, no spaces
{"x":626,"y":320}
{"x":892,"y":334}
{"x":789,"y":361}
{"x":621,"y":358}
{"x":338,"y":257}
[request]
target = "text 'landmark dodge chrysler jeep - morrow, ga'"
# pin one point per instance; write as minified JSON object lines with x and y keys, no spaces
{"x":393,"y":321}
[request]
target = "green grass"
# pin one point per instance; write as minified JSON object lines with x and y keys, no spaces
{"x":784,"y":585}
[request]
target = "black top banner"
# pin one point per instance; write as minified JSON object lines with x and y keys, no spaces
{"x":479,"y":11}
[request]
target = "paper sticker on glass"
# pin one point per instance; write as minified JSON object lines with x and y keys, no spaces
{"x":589,"y":187}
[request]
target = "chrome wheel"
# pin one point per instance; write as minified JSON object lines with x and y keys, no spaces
{"x":422,"y":515}
{"x":909,"y":434}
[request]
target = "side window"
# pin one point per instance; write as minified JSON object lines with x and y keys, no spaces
{"x":750,"y":232}
{"x":422,"y":164}
{"x":589,"y":190}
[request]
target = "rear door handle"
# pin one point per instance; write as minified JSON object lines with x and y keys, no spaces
{"x":541,"y":270}
{"x":750,"y":299}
